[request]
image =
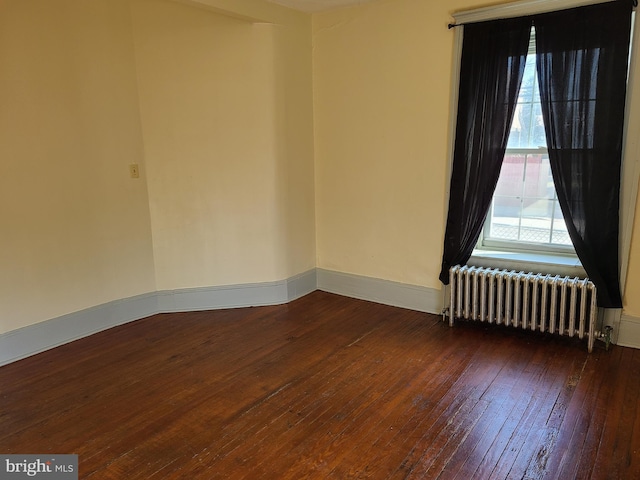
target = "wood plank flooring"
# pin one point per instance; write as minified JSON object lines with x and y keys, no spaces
{"x":326,"y":387}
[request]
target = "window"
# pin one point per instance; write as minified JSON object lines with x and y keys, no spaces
{"x":525,"y":213}
{"x":582,"y":55}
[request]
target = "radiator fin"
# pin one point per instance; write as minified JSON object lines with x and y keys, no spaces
{"x":534,"y":301}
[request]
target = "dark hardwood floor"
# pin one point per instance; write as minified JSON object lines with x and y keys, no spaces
{"x":326,"y":387}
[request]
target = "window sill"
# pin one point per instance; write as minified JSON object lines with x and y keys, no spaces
{"x":528,"y":262}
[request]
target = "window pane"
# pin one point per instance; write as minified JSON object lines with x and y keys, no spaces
{"x":538,"y":181}
{"x":560,"y":235}
{"x":525,"y":207}
{"x":511,"y":176}
{"x":524,"y":129}
{"x":536,"y":220}
{"x":538,"y":138}
{"x":521,"y":126}
{"x":527,"y":90}
{"x":505,"y":218}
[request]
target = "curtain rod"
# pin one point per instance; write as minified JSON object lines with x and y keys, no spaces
{"x":453,"y":25}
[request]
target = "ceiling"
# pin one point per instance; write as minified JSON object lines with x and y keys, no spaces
{"x":317,"y":5}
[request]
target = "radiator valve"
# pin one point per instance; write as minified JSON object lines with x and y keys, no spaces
{"x":606,"y":336}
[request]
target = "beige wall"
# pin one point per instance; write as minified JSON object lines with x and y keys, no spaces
{"x":75,"y":227}
{"x":218,"y":114}
{"x":382,"y":87}
{"x":227,"y":120}
{"x":382,"y":78}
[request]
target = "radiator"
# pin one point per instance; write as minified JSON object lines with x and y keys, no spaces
{"x":534,"y":301}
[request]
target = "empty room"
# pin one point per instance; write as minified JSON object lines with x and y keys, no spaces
{"x":319,"y":239}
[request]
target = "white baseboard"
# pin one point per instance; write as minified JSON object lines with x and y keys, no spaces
{"x":422,"y":299}
{"x":302,"y":284}
{"x":629,"y":334}
{"x":237,"y":296}
{"x":36,"y":338}
{"x":27,"y":341}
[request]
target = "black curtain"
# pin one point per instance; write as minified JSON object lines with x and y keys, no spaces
{"x":491,"y":69}
{"x":582,"y":58}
